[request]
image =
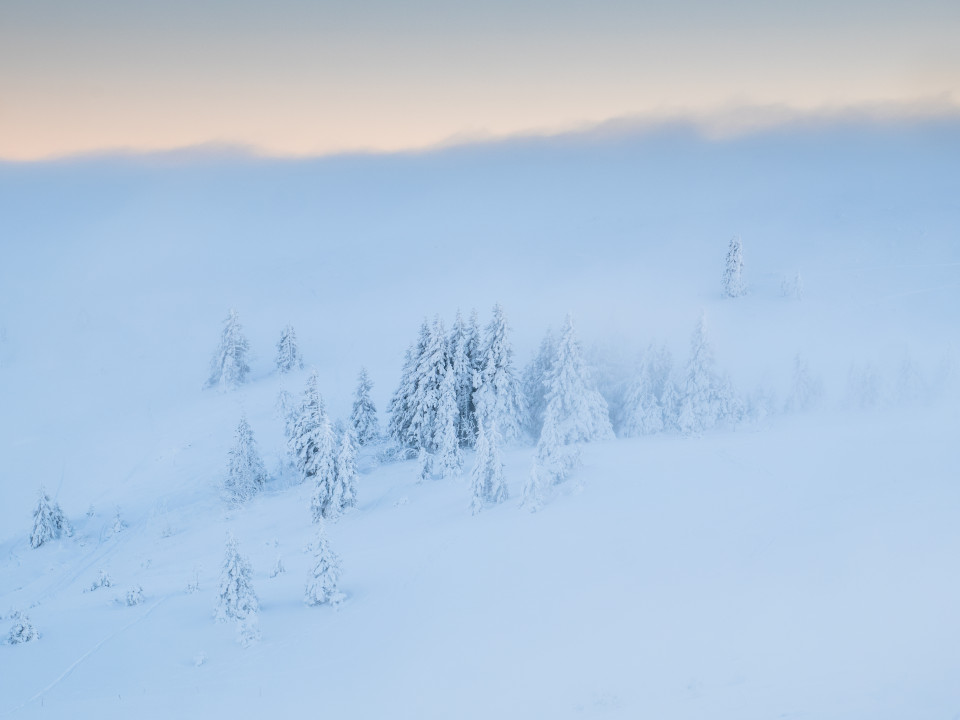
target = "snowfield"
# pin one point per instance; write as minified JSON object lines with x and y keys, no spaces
{"x":794,"y":564}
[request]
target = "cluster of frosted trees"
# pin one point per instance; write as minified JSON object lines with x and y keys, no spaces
{"x":690,"y":399}
{"x":456,"y":388}
{"x":459,"y":390}
{"x":566,"y":409}
{"x":323,"y":455}
{"x":230,"y":365}
{"x":237,"y":600}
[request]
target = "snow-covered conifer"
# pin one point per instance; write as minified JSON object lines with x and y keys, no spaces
{"x":328,"y":497}
{"x":229,"y":366}
{"x":533,"y":489}
{"x":312,"y":445}
{"x":118,"y":524}
{"x":322,"y":586}
{"x":448,"y":444}
{"x":641,"y":409}
{"x":534,"y":383}
{"x":246,"y":475}
{"x":579,"y":412}
{"x":403,"y":405}
{"x":463,"y":350}
{"x":304,"y":442}
{"x":646,"y":407}
{"x":364,"y":415}
{"x":134,"y":596}
{"x":487,"y":473}
{"x":288,"y":353}
{"x":805,"y":389}
{"x":48,"y":521}
{"x":346,"y":469}
{"x":707,"y":397}
{"x":286,"y":410}
{"x":733,"y":285}
{"x":555,"y":456}
{"x":236,"y":599}
{"x":430,"y":372}
{"x":424,"y":465}
{"x":498,"y":394}
{"x":22,"y":629}
{"x":792,"y":287}
{"x":103,"y":580}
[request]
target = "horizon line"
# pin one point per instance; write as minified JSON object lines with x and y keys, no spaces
{"x":717,"y":125}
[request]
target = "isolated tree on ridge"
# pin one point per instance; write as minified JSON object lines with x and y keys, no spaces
{"x":229,"y":367}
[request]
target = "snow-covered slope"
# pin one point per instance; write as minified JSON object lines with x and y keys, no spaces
{"x":800,"y":565}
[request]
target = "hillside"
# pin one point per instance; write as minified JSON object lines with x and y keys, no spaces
{"x":796,"y":564}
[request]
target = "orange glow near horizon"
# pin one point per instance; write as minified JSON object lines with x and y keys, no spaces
{"x":322,"y":78}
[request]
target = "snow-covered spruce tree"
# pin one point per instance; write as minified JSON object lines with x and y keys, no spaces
{"x":424,"y":465}
{"x":246,"y":475}
{"x":478,"y":475}
{"x":308,"y":431}
{"x":792,"y":287}
{"x":534,"y":489}
{"x":578,"y":410}
{"x":48,"y":521}
{"x":322,"y":586}
{"x":554,"y":457}
{"x":805,"y":390}
{"x":534,"y":383}
{"x":346,"y":469}
{"x":327,"y":500}
{"x":22,"y":629}
{"x":671,"y":402}
{"x":402,"y":404}
{"x":553,"y":461}
{"x":642,"y":414}
{"x":647,"y":404}
{"x":236,"y":599}
{"x":430,"y":374}
{"x":707,"y":399}
{"x":487,"y":473}
{"x":449,"y":454}
{"x":103,"y":580}
{"x":229,"y":367}
{"x":288,"y":353}
{"x":463,"y":349}
{"x":286,"y":410}
{"x":733,"y":285}
{"x":364,"y":415}
{"x":498,"y":394}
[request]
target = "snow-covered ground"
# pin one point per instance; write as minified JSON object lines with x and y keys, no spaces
{"x":800,"y":565}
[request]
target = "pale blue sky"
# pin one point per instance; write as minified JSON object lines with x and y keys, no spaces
{"x":297,"y":77}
